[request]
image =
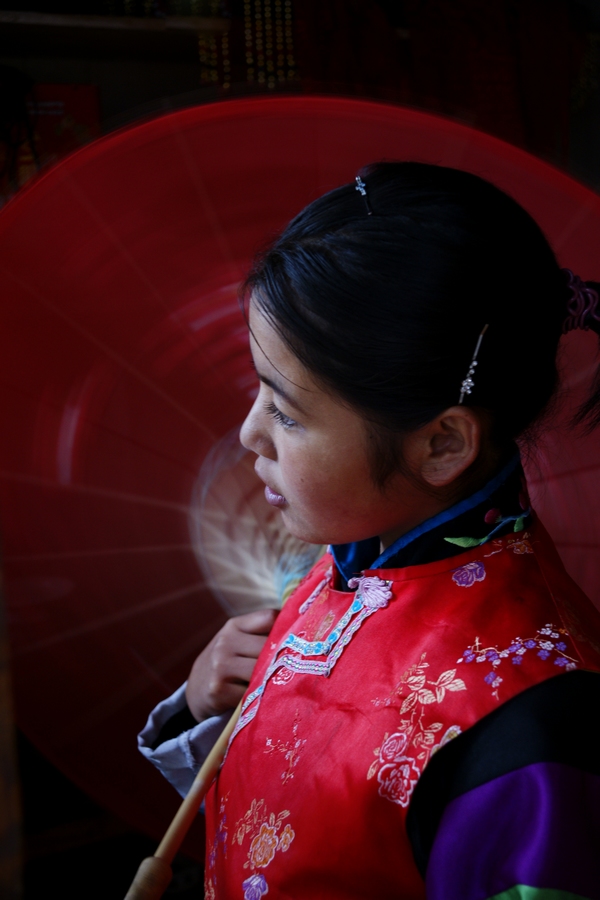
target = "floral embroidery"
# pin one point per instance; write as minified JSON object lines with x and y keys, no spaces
{"x":519,"y":545}
{"x":251,"y":820}
{"x":287,"y":836}
{"x":255,"y":887}
{"x":221,"y":833}
{"x":449,"y":735}
{"x":468,"y":574}
{"x":396,"y":781}
{"x":374,"y":593}
{"x":393,"y":747}
{"x":283,"y":676}
{"x":496,"y":546}
{"x":266,"y":838}
{"x":398,"y":772}
{"x":219,"y":842}
{"x":291,"y":749}
{"x":547,"y":641}
{"x":263,"y":846}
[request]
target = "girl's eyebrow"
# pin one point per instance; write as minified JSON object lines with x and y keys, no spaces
{"x":277,"y":389}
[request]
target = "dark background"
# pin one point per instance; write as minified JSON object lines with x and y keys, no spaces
{"x":527,"y":71}
{"x":524,"y":70}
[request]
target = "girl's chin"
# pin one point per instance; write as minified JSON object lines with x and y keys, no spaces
{"x":300,"y":530}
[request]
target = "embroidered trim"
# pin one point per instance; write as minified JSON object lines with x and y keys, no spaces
{"x":372,"y":594}
{"x":310,"y":600}
{"x":320,"y":648}
{"x":241,"y":723}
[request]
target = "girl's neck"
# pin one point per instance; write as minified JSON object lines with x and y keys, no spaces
{"x":489,"y":462}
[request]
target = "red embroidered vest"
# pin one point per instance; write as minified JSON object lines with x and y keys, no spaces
{"x":353,"y":694}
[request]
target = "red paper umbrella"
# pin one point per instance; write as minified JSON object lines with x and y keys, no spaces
{"x":125,"y":371}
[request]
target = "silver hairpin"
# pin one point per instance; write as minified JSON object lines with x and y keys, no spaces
{"x":468,"y":384}
{"x":362,"y":190}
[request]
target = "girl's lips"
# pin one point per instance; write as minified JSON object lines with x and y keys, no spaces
{"x":273,"y":498}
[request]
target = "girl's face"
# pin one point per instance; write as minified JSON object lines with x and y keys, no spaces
{"x":312,"y":454}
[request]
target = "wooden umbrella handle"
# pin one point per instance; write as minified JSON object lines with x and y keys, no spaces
{"x":154,"y":874}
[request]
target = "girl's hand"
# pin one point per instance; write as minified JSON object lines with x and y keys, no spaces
{"x":221,"y":673}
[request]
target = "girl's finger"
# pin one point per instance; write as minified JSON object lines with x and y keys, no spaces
{"x":231,"y":696}
{"x":241,"y":670}
{"x":248,"y":645}
{"x":258,"y":622}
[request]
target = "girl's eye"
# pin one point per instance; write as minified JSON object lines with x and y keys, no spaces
{"x":272,"y":410}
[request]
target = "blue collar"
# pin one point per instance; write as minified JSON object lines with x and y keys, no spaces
{"x":354,"y":558}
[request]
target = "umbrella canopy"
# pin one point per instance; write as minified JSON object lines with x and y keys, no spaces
{"x":124,"y":374}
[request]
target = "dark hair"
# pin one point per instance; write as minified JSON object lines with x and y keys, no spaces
{"x":386,"y":309}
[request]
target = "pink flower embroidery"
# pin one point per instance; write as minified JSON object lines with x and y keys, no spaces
{"x":468,"y":574}
{"x":397,"y":780}
{"x":393,"y":747}
{"x":374,"y":592}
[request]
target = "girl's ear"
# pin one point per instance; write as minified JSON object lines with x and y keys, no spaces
{"x":448,"y":445}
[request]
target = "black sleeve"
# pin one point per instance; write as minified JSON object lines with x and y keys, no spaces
{"x":515,"y":800}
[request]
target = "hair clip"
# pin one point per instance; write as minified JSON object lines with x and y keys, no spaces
{"x":362,"y":190}
{"x":581,"y":305}
{"x":468,"y":384}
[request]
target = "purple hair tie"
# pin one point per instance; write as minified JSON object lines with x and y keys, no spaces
{"x":581,"y":305}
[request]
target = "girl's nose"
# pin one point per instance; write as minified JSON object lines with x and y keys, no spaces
{"x":253,"y":434}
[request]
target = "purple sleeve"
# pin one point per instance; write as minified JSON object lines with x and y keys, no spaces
{"x":537,"y":826}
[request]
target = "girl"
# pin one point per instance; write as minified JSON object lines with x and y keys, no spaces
{"x":414,"y":721}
